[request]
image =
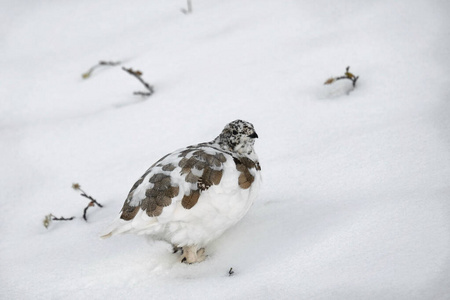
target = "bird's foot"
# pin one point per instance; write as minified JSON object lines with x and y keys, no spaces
{"x":201,"y":256}
{"x":192,"y":255}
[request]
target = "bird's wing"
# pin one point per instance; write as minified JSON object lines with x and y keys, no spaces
{"x":179,"y":177}
{"x":182,"y":175}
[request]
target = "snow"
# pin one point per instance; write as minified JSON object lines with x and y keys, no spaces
{"x":355,"y":196}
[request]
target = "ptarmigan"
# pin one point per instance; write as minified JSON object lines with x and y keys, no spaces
{"x":191,"y":196}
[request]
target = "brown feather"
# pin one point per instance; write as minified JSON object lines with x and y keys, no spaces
{"x":244,"y":165}
{"x":190,"y":200}
{"x":191,"y":178}
{"x":129,"y":212}
{"x":168,"y":167}
{"x":158,"y":177}
{"x":172,"y":191}
{"x":162,"y":200}
{"x":162,"y":192}
{"x":156,"y":212}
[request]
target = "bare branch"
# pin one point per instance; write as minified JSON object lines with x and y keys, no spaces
{"x":93,"y":202}
{"x":50,"y":217}
{"x":62,"y":219}
{"x":100,"y":64}
{"x":138,"y":75}
{"x":347,"y":75}
{"x":85,"y":210}
{"x":90,"y":198}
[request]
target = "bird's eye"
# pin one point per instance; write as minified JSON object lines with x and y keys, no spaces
{"x":235,"y":132}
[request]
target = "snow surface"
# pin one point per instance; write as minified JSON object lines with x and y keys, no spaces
{"x":355,"y":198}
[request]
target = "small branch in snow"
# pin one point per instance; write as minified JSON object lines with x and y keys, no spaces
{"x":100,"y":64}
{"x":347,"y":75}
{"x":189,"y":8}
{"x":93,"y":202}
{"x":50,"y":217}
{"x":138,"y":75}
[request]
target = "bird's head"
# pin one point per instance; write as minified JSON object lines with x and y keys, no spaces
{"x":238,"y":136}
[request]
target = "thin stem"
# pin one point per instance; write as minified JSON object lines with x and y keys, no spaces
{"x":100,"y":63}
{"x":138,"y":75}
{"x":62,"y":218}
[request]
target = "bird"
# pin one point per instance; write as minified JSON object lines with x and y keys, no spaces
{"x":191,"y":196}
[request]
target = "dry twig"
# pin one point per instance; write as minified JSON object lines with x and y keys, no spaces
{"x":93,"y":202}
{"x":50,"y":217}
{"x":100,"y":64}
{"x":347,"y":75}
{"x":138,"y":75}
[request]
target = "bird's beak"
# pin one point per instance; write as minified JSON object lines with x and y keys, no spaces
{"x":253,"y":135}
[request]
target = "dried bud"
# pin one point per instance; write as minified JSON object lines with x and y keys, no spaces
{"x":47,"y":220}
{"x":349,"y":75}
{"x":330,"y":80}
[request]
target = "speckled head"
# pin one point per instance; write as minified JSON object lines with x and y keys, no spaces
{"x":238,"y":136}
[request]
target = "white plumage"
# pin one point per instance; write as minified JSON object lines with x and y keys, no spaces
{"x":191,"y":196}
